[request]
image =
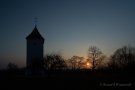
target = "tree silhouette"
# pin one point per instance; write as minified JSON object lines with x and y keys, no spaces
{"x":123,"y":57}
{"x":95,"y":56}
{"x":76,"y":62}
{"x":12,"y":69}
{"x":54,"y":61}
{"x":12,"y":66}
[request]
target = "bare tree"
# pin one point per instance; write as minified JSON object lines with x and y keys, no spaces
{"x":76,"y":62}
{"x":12,"y":66}
{"x":80,"y":62}
{"x":73,"y":63}
{"x":123,"y":57}
{"x":95,"y":55}
{"x":54,"y":61}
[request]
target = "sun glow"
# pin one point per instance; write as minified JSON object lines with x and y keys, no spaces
{"x":88,"y":65}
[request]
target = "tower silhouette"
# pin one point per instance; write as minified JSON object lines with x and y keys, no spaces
{"x":35,"y":52}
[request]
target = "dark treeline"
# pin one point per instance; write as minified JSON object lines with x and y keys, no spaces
{"x":123,"y":59}
{"x":118,"y":68}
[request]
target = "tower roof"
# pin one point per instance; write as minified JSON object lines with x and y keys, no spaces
{"x":35,"y":34}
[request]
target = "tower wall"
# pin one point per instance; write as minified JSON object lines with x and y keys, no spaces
{"x":34,"y":56}
{"x":34,"y":51}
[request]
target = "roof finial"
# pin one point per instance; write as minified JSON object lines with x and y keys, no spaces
{"x":35,"y":20}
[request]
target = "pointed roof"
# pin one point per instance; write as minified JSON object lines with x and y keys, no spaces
{"x":35,"y":34}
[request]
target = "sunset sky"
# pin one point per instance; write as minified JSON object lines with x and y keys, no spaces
{"x":68,"y":26}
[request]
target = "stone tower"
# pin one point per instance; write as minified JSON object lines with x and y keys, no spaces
{"x":35,"y":52}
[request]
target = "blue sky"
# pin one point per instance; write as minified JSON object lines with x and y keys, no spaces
{"x":68,"y":26}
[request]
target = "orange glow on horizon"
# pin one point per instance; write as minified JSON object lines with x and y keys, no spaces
{"x":88,"y":65}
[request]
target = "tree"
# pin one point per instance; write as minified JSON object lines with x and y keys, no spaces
{"x":12,"y":66}
{"x":80,"y":62}
{"x":95,"y":56}
{"x":76,"y":62}
{"x":54,"y":61}
{"x":123,"y":57}
{"x":72,"y":63}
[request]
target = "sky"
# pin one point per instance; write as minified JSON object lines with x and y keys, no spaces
{"x":68,"y":26}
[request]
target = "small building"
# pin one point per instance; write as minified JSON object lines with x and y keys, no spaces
{"x":35,"y":51}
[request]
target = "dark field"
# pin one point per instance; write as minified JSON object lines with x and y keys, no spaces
{"x":68,"y":80}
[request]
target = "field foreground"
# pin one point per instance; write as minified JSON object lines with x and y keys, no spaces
{"x":77,"y":80}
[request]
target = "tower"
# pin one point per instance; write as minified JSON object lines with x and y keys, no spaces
{"x":34,"y":51}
